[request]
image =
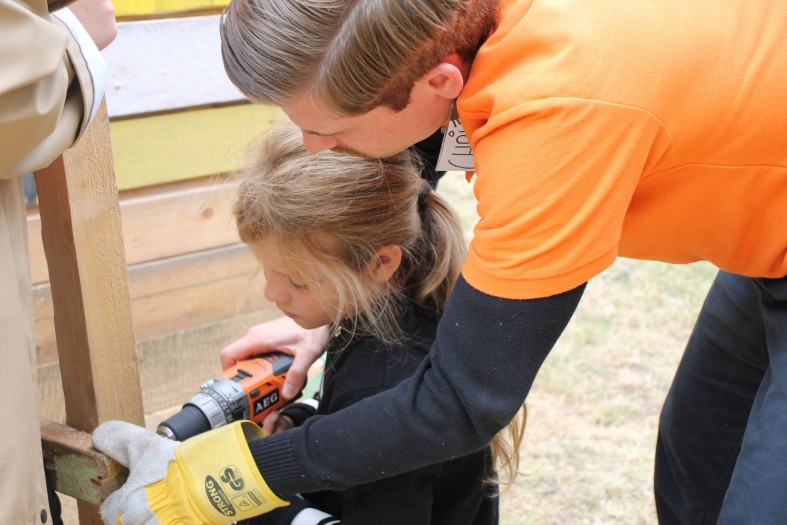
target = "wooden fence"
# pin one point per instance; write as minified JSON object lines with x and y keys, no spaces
{"x":132,"y":236}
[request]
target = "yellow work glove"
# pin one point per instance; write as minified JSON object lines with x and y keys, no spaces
{"x":208,"y":479}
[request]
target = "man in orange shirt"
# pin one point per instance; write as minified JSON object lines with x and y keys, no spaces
{"x":652,"y":129}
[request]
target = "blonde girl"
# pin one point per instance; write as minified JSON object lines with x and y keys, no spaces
{"x":367,"y":247}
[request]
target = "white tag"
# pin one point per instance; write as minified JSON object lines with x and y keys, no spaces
{"x":455,"y":154}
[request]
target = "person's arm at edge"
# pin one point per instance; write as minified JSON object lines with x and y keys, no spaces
{"x":477,"y":375}
{"x":50,"y":110}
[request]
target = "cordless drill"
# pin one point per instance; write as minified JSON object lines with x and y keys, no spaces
{"x":249,"y":390}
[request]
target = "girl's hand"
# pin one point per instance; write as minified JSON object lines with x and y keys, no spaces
{"x":280,"y":335}
{"x":275,"y":422}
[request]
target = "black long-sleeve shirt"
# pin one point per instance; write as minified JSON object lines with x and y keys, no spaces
{"x":474,"y":379}
{"x":447,"y":493}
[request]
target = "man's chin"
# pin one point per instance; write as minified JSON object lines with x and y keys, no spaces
{"x":350,"y":151}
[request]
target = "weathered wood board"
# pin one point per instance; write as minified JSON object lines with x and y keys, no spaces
{"x":74,"y":468}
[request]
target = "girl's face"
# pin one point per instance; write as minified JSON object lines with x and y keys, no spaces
{"x":310,"y":301}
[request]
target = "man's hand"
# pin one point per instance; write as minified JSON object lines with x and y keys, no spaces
{"x":280,"y":335}
{"x":209,"y":479}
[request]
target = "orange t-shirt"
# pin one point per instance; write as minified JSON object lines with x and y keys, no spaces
{"x":654,"y":129}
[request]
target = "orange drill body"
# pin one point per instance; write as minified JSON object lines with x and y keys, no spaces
{"x":249,"y":390}
{"x":262,"y":378}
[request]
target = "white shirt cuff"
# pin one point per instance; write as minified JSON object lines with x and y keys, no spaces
{"x":314,"y":517}
{"x":95,"y":62}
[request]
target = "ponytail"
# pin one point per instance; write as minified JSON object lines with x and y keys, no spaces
{"x":436,"y":257}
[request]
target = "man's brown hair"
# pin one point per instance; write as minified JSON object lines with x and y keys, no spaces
{"x":355,"y":55}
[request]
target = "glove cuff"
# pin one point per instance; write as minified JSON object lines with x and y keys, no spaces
{"x":276,"y":458}
{"x":222,"y":477}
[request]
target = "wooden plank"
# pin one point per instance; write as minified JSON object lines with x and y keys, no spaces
{"x":171,"y":366}
{"x":179,"y":146}
{"x":186,"y":271}
{"x":162,"y":222}
{"x":175,"y":294}
{"x":145,"y":8}
{"x":143,"y":79}
{"x":80,"y":224}
{"x":199,"y":305}
{"x":82,"y":239}
{"x":74,"y":468}
{"x":186,"y":218}
{"x":38,"y":266}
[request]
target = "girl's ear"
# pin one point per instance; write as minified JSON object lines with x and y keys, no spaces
{"x":385,"y":263}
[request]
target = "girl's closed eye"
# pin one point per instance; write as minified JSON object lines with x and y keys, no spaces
{"x":297,"y":286}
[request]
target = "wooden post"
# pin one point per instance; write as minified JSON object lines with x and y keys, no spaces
{"x":81,"y":230}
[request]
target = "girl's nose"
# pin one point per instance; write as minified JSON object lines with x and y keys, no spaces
{"x":275,"y":293}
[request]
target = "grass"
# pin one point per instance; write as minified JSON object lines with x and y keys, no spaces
{"x":587,"y":456}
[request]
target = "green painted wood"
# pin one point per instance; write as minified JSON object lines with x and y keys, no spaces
{"x":76,"y":469}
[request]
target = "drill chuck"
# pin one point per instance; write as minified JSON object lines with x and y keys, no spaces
{"x":190,"y":421}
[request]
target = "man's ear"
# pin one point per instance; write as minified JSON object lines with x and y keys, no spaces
{"x":446,"y":78}
{"x":385,"y":263}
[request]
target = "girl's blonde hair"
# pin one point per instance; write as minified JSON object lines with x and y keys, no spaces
{"x":334,"y":211}
{"x":356,"y":55}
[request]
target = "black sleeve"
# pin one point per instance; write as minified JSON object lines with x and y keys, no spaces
{"x":280,"y":516}
{"x":473,"y":381}
{"x":402,"y":499}
{"x":298,"y":412}
{"x":429,"y":151}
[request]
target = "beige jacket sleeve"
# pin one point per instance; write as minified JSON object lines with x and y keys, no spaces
{"x":52,"y":79}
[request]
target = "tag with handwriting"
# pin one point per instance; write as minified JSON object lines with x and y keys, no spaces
{"x":455,"y":154}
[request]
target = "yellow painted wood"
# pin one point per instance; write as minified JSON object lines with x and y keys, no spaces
{"x":130,"y":8}
{"x":179,"y":146}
